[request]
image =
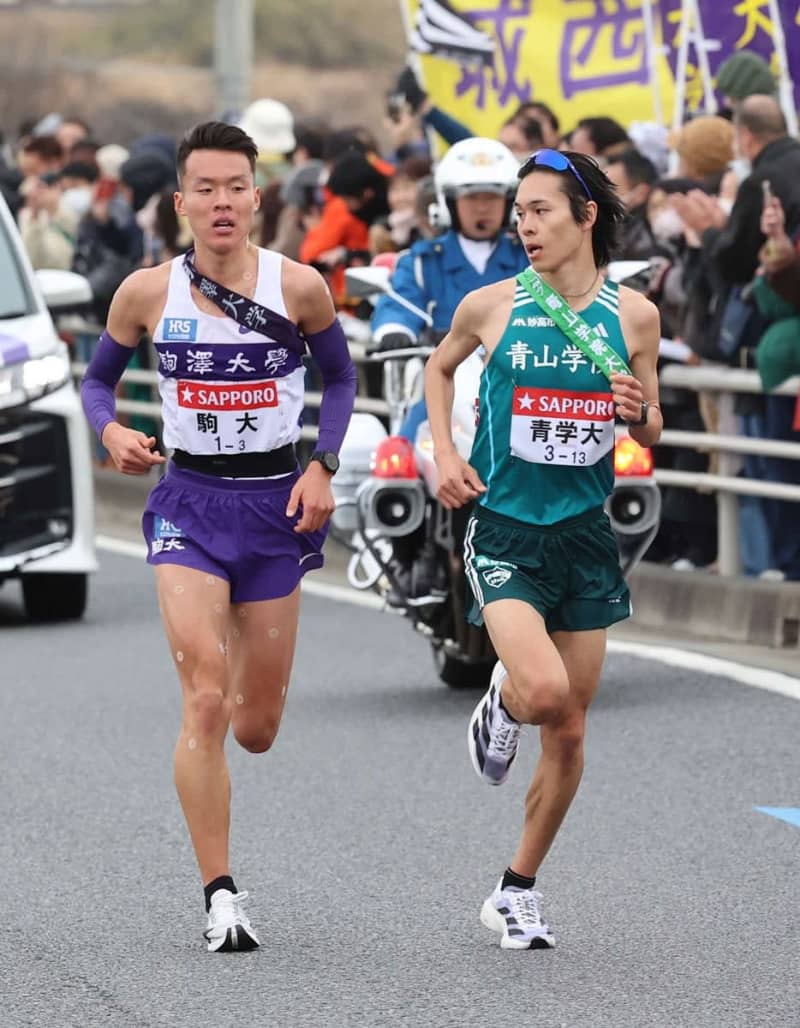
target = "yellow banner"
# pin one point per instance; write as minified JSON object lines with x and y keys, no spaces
{"x":584,"y":58}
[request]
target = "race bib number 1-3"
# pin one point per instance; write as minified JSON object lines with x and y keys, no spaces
{"x":558,"y":426}
{"x":227,"y":417}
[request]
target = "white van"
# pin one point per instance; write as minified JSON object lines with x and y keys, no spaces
{"x":46,"y":493}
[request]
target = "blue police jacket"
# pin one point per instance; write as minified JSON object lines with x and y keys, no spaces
{"x":436,"y":276}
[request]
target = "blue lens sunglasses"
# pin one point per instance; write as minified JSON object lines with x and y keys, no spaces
{"x":557,"y":161}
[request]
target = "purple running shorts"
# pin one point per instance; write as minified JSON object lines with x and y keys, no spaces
{"x":233,"y":528}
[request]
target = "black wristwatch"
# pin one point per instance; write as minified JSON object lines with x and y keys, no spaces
{"x":327,"y":459}
{"x":643,"y":419}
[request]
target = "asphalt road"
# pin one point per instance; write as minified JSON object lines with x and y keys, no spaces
{"x":368,"y":845}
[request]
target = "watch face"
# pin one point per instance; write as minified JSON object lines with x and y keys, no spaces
{"x":328,"y":460}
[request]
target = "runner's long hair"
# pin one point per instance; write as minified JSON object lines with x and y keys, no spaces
{"x":610,"y":209}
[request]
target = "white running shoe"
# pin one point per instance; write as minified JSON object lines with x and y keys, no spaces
{"x":229,"y":930}
{"x":492,"y":736}
{"x":516,"y":914}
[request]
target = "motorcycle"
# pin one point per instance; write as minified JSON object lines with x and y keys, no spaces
{"x":404,"y":544}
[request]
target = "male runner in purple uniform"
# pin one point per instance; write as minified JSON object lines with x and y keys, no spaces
{"x":233,"y":525}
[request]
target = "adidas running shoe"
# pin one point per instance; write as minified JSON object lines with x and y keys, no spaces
{"x":229,"y":930}
{"x":493,"y":737}
{"x":517,"y":915}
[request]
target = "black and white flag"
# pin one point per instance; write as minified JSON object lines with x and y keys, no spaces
{"x":440,"y":30}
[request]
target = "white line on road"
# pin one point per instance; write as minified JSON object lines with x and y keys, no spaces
{"x":121,"y":546}
{"x":746,"y":674}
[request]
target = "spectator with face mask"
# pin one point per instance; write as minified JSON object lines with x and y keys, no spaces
{"x":48,"y":226}
{"x":111,"y":240}
{"x":77,"y":180}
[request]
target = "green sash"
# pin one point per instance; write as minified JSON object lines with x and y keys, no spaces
{"x":586,"y":338}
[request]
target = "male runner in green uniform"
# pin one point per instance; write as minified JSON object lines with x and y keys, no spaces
{"x":565,"y":350}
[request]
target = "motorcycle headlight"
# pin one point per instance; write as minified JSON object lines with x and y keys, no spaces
{"x":31,"y":379}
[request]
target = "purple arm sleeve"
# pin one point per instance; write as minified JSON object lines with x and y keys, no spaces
{"x":97,"y":388}
{"x":329,"y":349}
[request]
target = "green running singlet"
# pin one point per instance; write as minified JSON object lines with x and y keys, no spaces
{"x":544,"y":446}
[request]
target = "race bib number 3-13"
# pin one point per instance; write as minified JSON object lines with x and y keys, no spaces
{"x":229,"y":417}
{"x":558,"y":426}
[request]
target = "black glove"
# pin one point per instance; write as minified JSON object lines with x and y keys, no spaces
{"x":408,"y":85}
{"x":391,"y":341}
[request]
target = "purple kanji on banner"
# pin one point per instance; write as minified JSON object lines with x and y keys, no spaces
{"x":502,"y":77}
{"x":627,"y":41}
{"x":735,"y":25}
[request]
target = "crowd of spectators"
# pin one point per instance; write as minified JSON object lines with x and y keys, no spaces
{"x":713,"y":210}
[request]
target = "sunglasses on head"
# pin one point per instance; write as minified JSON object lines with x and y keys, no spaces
{"x":557,"y":161}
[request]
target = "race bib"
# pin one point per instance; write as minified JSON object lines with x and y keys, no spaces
{"x":229,"y":417}
{"x":558,"y":426}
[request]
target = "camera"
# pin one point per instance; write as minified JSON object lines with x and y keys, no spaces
{"x":396,"y":103}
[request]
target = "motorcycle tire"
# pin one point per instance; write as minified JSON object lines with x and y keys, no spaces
{"x":459,"y":674}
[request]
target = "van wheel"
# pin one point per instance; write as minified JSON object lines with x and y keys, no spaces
{"x":459,"y":674}
{"x":54,"y":597}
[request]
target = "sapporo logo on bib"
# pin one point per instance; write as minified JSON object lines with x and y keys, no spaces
{"x":559,"y":426}
{"x":229,"y":417}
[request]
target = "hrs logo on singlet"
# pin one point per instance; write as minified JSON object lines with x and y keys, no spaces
{"x":180,"y":330}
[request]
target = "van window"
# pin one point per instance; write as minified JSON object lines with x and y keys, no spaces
{"x":15,"y":297}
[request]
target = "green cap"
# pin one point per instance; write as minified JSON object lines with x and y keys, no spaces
{"x":743,"y":74}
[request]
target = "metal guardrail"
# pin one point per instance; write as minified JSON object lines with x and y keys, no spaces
{"x":728,"y":486}
{"x":698,"y":378}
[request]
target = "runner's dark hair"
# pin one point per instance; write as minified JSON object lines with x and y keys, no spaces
{"x":215,"y":135}
{"x":610,"y":209}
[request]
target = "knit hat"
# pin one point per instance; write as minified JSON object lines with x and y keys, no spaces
{"x":706,"y":145}
{"x":743,"y":74}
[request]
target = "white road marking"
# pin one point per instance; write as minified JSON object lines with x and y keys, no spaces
{"x":746,"y":674}
{"x":121,"y":546}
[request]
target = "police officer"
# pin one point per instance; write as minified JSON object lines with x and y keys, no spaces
{"x":475,"y":185}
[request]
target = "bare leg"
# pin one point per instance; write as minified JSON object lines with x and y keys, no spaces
{"x":262,"y":641}
{"x":560,"y":766}
{"x":194,"y":609}
{"x":551,"y":683}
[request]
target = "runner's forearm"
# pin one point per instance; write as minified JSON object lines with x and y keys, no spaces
{"x":439,"y":395}
{"x":101,"y":379}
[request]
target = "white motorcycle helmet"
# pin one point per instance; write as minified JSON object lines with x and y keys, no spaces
{"x":474,"y":165}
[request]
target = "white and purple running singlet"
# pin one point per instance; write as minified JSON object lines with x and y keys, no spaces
{"x":226,"y":389}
